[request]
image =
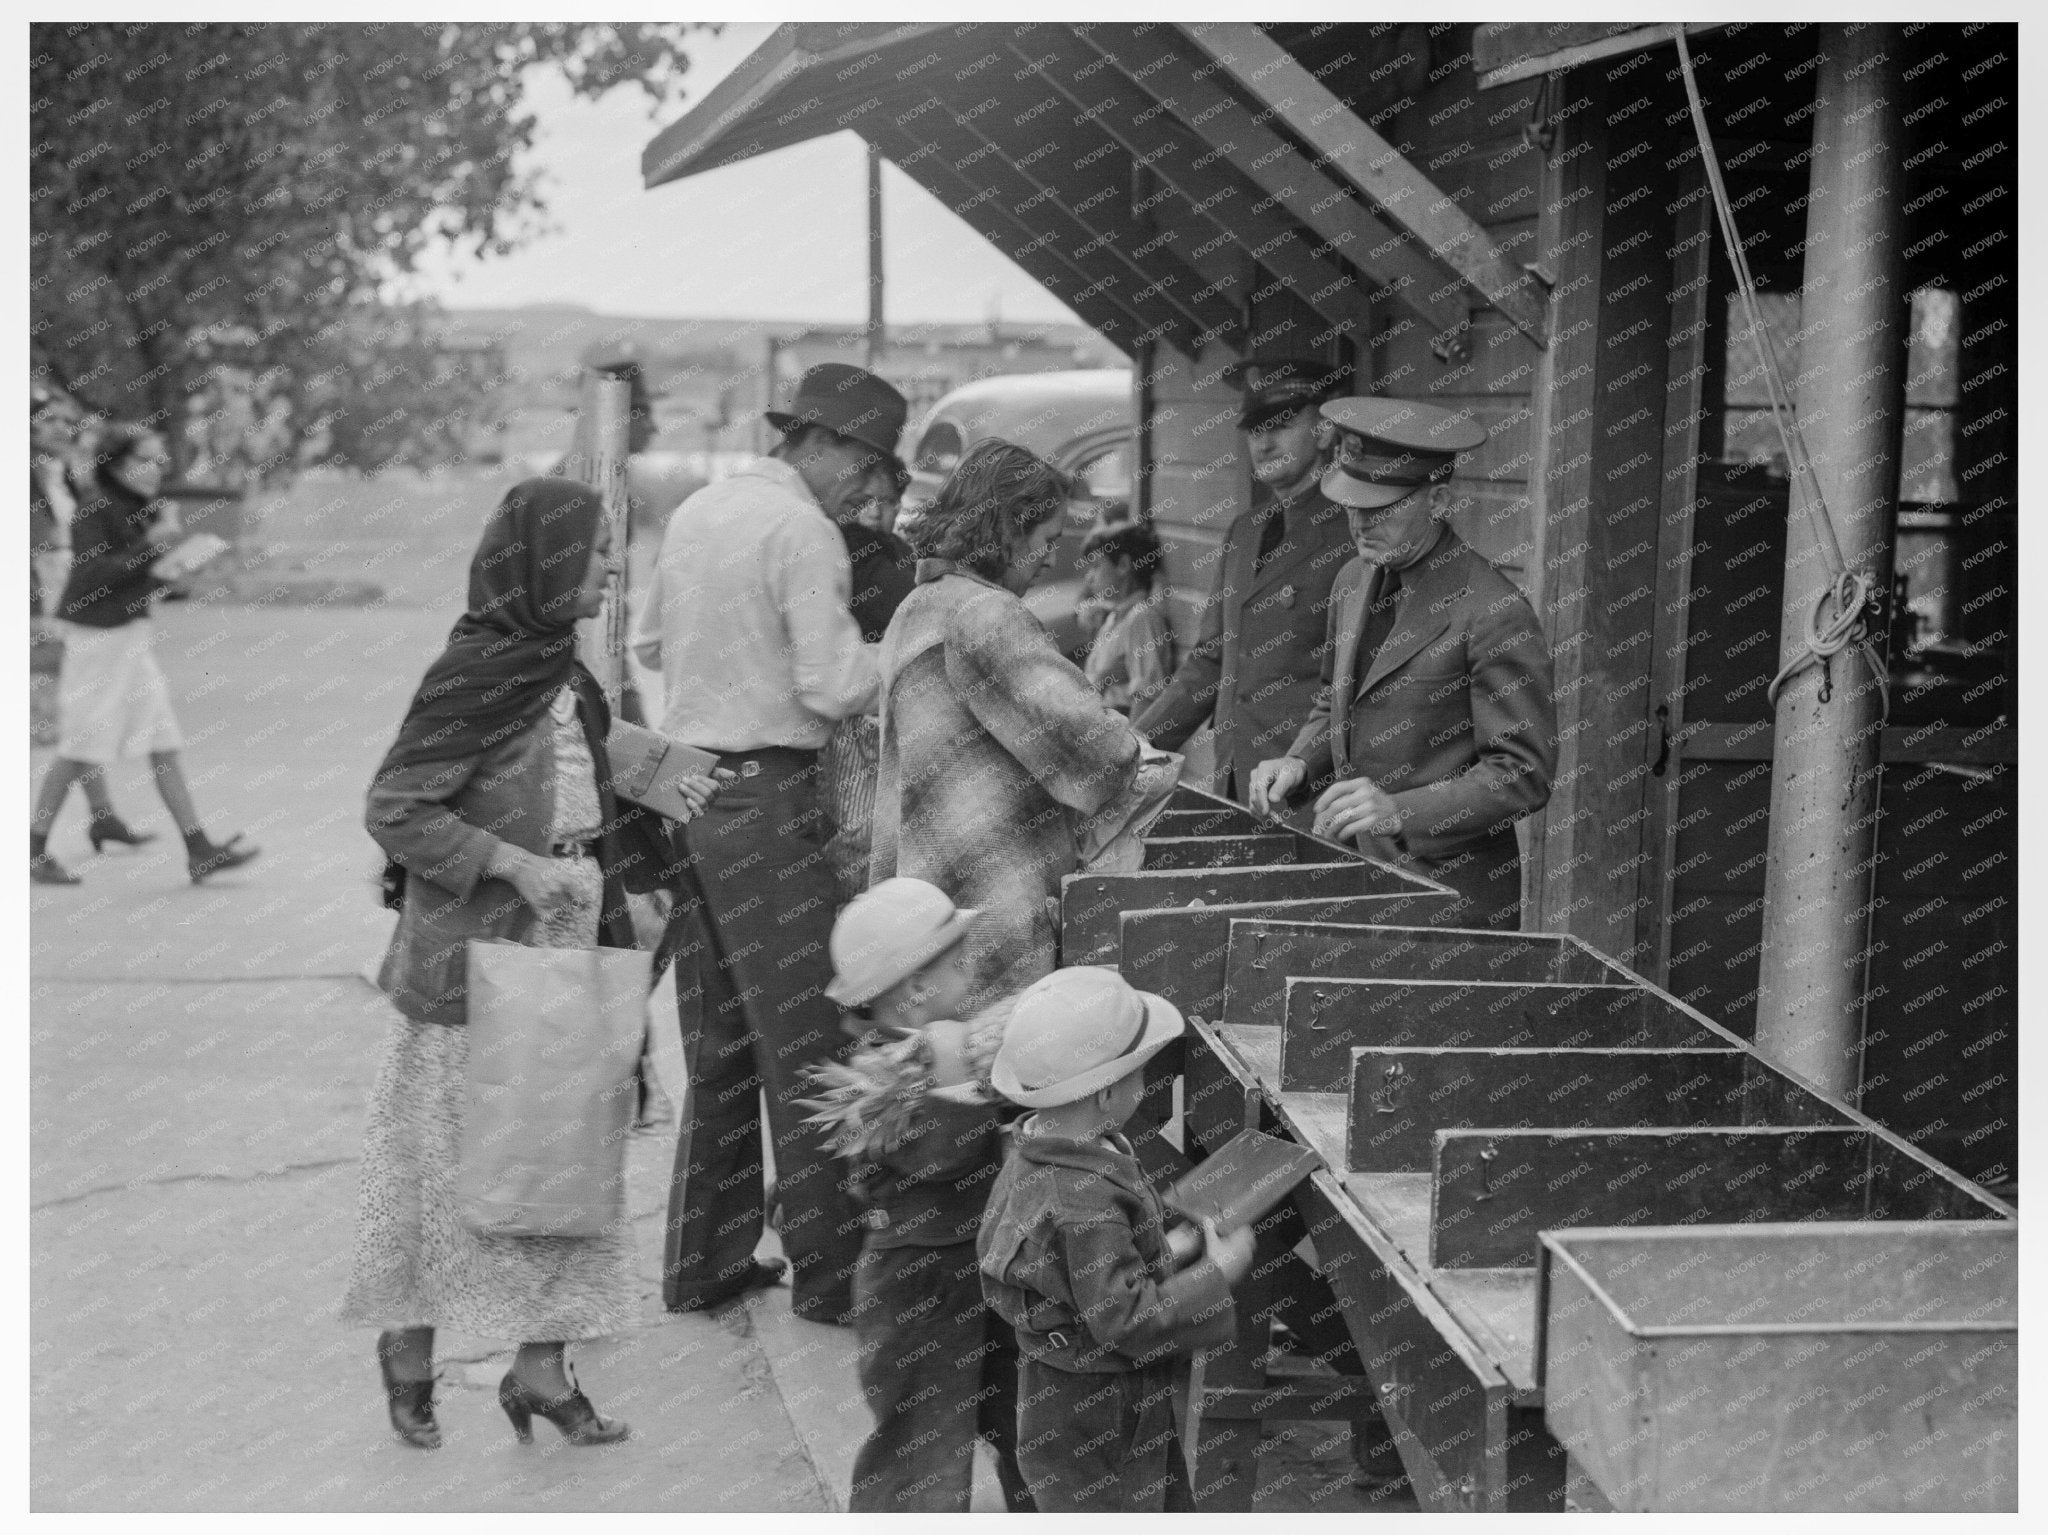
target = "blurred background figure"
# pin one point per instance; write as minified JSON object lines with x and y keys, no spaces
{"x":1130,"y":659}
{"x":110,"y":691}
{"x":884,"y":571}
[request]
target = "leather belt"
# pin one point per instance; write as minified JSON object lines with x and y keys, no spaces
{"x":768,"y":759}
{"x":572,"y":849}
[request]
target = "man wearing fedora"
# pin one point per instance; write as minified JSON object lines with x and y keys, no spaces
{"x":1436,"y":716}
{"x":1257,"y":657}
{"x":760,"y":659}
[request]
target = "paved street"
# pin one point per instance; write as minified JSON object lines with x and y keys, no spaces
{"x":200,"y":1061}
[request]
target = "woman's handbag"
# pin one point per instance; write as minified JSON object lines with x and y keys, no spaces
{"x":554,"y":1040}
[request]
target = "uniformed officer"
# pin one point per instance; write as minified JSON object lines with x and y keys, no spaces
{"x":1436,"y":718}
{"x":1257,"y":657}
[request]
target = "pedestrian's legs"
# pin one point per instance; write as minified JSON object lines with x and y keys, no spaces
{"x":759,"y":860}
{"x":56,"y":788}
{"x":408,"y":1352}
{"x":170,"y":783}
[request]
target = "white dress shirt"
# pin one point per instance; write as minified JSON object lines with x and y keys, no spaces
{"x":747,"y":618}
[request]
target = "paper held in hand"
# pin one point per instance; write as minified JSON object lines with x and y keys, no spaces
{"x":189,"y":555}
{"x":1244,"y":1179}
{"x":647,"y":768}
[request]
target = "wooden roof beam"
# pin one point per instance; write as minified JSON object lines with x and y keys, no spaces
{"x":1170,"y":69}
{"x":1107,"y":228}
{"x":1217,"y":198}
{"x":1092,"y":298}
{"x":1375,"y":168}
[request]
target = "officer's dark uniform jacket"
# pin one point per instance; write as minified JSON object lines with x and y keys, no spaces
{"x":1257,"y":660}
{"x":1073,"y":1257}
{"x":1453,"y":717}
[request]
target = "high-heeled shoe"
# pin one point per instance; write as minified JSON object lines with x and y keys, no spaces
{"x":572,"y":1414}
{"x":43,"y":869}
{"x":412,"y":1408}
{"x":204,"y":857}
{"x":111,"y":828}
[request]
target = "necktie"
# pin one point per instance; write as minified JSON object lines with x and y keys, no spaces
{"x":1270,"y":538}
{"x":1379,"y":622}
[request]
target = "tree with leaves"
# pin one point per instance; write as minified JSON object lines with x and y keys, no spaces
{"x":223,"y":216}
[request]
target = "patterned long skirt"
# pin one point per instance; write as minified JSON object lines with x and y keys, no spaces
{"x":416,"y":1264}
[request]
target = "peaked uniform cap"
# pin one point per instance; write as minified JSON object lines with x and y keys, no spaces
{"x":1387,"y":449}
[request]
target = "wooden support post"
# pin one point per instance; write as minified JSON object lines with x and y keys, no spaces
{"x":1825,"y":749}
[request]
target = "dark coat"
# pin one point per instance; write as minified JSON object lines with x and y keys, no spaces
{"x":1257,"y":659}
{"x":1455,"y":719}
{"x":1073,"y":1256}
{"x":431,"y":818}
{"x":111,"y":552}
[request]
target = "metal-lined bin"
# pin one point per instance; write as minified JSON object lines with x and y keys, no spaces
{"x":1869,"y":1365}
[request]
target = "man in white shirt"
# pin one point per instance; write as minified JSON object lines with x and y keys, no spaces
{"x":747,"y":619}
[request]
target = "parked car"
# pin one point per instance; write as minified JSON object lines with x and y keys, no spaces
{"x":1080,"y":422}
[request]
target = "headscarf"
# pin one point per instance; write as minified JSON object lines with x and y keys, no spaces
{"x":515,"y":648}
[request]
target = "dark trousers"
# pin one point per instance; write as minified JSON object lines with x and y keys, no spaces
{"x":755,"y":910}
{"x":939,"y":1370}
{"x":1096,"y":1443}
{"x":1488,"y":879}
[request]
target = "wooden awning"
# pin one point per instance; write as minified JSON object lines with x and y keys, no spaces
{"x":1146,"y":174}
{"x":1506,"y":51}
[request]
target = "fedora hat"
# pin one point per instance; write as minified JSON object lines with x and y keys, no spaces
{"x":1075,"y":1032}
{"x":850,"y":401}
{"x":888,"y":934}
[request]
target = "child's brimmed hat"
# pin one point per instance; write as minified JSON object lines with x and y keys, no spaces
{"x":1077,"y":1031}
{"x":888,"y":934}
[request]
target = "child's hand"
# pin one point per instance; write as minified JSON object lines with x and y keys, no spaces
{"x":1183,"y":1245}
{"x":1232,"y":1254}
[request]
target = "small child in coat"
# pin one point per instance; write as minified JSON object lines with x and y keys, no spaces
{"x":914,"y":1111}
{"x":1074,"y":1250}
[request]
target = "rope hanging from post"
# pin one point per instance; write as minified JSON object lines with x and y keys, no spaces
{"x":1843,"y":613}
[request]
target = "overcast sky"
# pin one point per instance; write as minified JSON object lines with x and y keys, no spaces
{"x":783,"y":235}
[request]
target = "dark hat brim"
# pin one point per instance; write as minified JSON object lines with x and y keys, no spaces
{"x":1347,"y":489}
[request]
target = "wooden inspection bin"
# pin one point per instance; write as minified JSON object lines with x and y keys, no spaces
{"x":1868,"y":1365}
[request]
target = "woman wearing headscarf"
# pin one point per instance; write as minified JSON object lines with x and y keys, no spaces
{"x":493,"y":808}
{"x":995,"y":748}
{"x":111,"y":697}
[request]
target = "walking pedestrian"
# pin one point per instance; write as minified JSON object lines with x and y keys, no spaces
{"x":111,"y":696}
{"x":1256,"y":661}
{"x":761,"y":658}
{"x":1130,"y":658}
{"x":916,"y":1113}
{"x":994,"y":745}
{"x":1436,"y":717}
{"x":493,"y":807}
{"x":1074,"y":1250}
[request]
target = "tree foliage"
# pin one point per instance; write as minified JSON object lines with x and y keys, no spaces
{"x":223,"y":216}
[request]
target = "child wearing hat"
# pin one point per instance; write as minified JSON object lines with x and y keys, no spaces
{"x":1074,"y":1251}
{"x":912,"y":1108}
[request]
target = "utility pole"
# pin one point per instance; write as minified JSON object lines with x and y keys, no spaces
{"x":1820,"y":872}
{"x":875,"y":333}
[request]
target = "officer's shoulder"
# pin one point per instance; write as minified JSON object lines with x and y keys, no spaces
{"x":1488,"y":584}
